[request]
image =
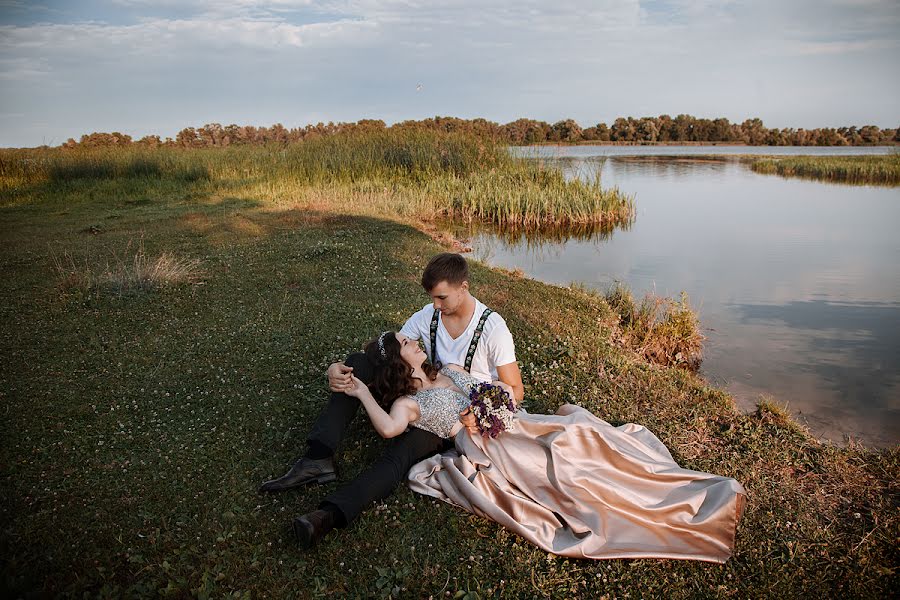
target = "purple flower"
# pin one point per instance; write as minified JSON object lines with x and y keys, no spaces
{"x":493,"y":409}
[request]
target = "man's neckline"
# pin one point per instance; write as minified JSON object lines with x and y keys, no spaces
{"x":468,"y":325}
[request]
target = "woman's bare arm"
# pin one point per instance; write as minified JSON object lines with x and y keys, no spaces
{"x":388,"y":424}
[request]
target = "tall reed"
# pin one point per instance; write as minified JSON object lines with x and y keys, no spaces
{"x":425,"y":172}
{"x":879,"y":170}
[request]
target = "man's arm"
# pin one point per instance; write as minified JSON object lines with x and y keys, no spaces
{"x":510,"y":375}
{"x":413,"y":326}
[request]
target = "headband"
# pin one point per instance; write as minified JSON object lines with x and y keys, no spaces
{"x":381,"y":343}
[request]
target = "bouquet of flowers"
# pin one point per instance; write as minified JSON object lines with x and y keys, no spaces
{"x":493,"y":409}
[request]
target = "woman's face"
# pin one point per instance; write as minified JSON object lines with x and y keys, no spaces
{"x":410,"y":351}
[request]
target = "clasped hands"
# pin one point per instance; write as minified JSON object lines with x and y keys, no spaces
{"x":342,"y":380}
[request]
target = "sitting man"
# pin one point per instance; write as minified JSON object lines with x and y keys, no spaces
{"x":457,"y":329}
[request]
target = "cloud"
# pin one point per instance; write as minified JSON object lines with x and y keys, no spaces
{"x":591,"y":60}
{"x":156,"y":33}
{"x":842,"y":47}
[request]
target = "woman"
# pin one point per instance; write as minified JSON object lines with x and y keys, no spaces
{"x":570,"y":483}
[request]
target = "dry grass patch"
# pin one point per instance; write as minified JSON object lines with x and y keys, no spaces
{"x":138,"y":272}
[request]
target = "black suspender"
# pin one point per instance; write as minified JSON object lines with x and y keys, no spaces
{"x":434,"y":326}
{"x":475,"y":337}
{"x":472,"y":346}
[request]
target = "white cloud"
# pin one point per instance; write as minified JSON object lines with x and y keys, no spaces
{"x":842,"y":47}
{"x":295,"y":60}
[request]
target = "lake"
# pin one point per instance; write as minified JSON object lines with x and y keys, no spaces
{"x":796,"y":282}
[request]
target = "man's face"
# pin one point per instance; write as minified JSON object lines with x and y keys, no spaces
{"x":448,"y":298}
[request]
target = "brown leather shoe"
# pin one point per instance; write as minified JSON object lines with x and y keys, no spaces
{"x":312,"y":527}
{"x":304,"y":471}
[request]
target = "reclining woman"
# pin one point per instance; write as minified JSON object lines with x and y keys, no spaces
{"x":570,"y":483}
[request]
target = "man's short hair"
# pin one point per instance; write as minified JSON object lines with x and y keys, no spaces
{"x":449,"y":267}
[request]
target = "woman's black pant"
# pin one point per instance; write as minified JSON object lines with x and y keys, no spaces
{"x":380,"y":479}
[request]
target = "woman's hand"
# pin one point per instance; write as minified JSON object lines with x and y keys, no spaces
{"x":467,"y":418}
{"x":356,"y":389}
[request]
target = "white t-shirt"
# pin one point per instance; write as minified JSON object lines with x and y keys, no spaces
{"x":495,"y":348}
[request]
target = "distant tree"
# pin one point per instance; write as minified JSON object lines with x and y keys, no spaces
{"x":623,"y":130}
{"x":187,"y":138}
{"x":870,"y":134}
{"x":524,"y":131}
{"x":151,"y":141}
{"x":566,"y":131}
{"x":682,"y":127}
{"x":602,"y":132}
{"x":778,"y":137}
{"x":664,"y":128}
{"x":100,"y":139}
{"x":647,"y":130}
{"x":719,"y":131}
{"x":211,"y":135}
{"x":754,"y":131}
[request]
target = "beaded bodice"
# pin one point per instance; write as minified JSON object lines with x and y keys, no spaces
{"x":439,"y":408}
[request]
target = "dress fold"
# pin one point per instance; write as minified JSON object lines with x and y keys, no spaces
{"x":574,"y":485}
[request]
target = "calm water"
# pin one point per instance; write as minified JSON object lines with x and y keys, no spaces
{"x":797,"y":283}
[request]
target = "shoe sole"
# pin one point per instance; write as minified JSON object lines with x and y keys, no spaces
{"x":319,"y":479}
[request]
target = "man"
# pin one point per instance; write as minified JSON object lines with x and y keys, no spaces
{"x":456,"y":329}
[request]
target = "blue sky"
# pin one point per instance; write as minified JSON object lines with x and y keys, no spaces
{"x":156,"y":66}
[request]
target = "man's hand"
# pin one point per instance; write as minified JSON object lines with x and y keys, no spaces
{"x":467,"y":418}
{"x":340,"y":377}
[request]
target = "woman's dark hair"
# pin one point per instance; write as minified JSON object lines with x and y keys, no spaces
{"x":448,"y":267}
{"x":393,"y":376}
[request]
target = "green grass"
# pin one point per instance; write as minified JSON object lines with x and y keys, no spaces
{"x":875,"y":170}
{"x":138,"y":419}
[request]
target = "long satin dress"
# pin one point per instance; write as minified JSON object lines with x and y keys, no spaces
{"x":574,"y":485}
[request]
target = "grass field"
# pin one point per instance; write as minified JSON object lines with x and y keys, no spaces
{"x":863,"y":170}
{"x":165,"y":337}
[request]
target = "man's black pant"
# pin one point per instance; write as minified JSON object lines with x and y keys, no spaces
{"x":380,"y":479}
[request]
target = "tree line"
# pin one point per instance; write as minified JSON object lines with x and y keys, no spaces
{"x":625,"y":130}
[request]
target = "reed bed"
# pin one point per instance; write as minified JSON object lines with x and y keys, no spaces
{"x":664,"y":331}
{"x":421,"y":173}
{"x":875,"y":170}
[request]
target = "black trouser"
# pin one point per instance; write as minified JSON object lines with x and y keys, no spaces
{"x":380,"y":479}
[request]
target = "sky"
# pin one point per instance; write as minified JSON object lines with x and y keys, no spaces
{"x":156,"y":66}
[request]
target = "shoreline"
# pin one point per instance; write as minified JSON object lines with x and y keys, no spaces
{"x":726,"y":144}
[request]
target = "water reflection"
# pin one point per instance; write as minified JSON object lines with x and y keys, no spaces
{"x":535,"y":238}
{"x":798,"y":282}
{"x":588,"y":150}
{"x":850,"y":351}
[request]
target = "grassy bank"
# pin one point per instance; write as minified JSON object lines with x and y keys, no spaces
{"x":165,"y":341}
{"x":413,"y":173}
{"x":874,"y":170}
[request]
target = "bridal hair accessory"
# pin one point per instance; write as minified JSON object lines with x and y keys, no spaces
{"x":381,"y":343}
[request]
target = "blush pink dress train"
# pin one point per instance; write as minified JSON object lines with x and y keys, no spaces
{"x":576,"y":486}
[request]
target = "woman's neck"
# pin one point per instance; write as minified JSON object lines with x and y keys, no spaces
{"x":422,"y":382}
